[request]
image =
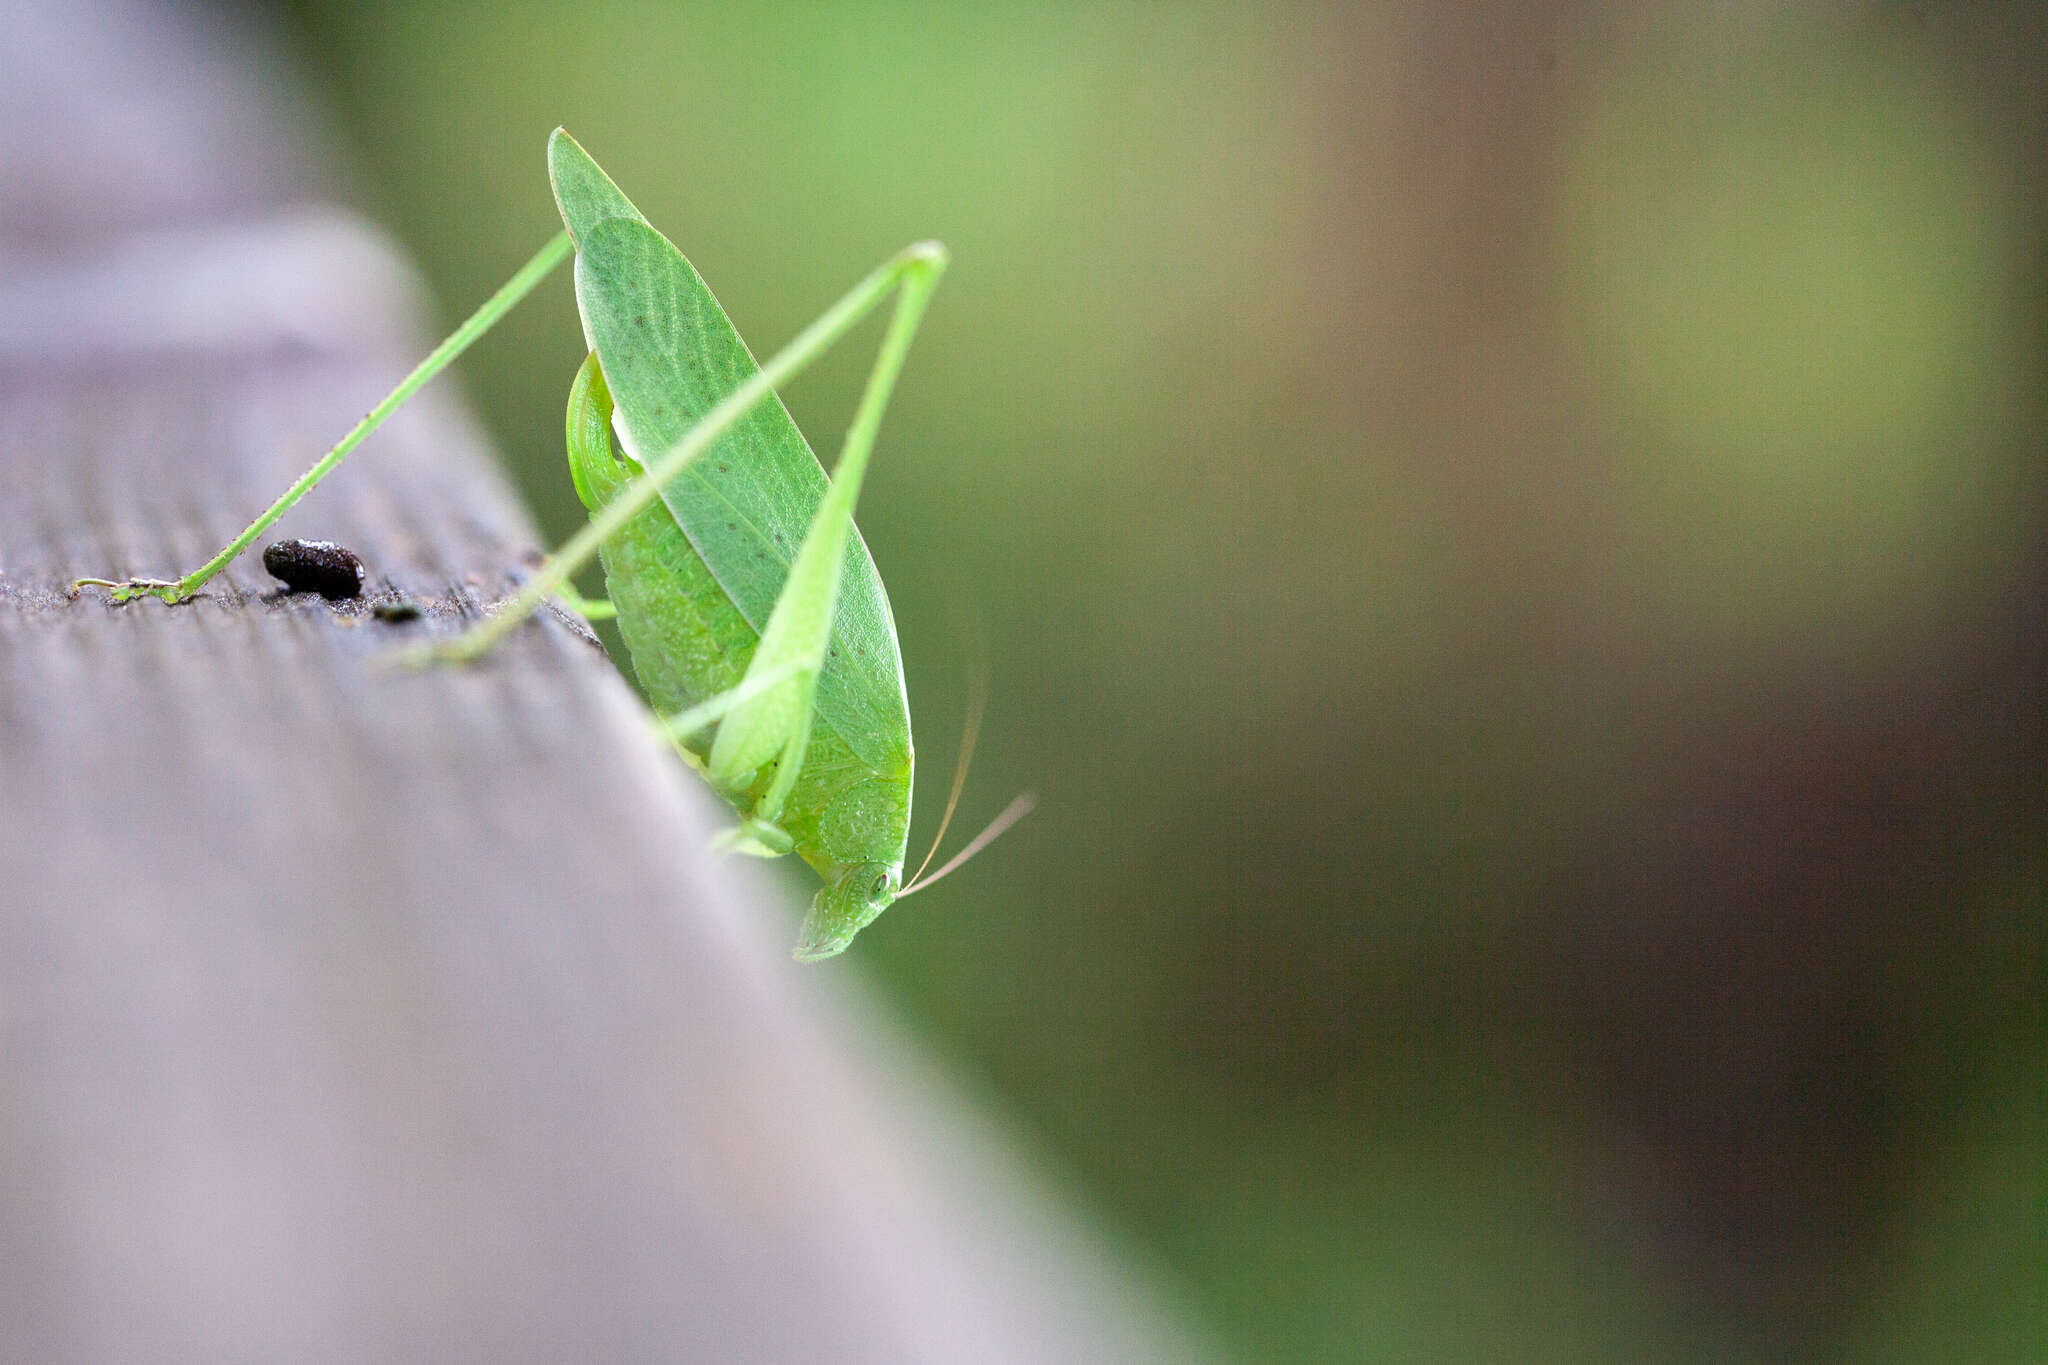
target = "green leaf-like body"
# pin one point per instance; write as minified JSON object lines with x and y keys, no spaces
{"x":584,"y":194}
{"x":696,"y":576}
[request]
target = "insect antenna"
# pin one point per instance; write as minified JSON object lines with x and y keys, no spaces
{"x":1012,"y":813}
{"x":970,"y":735}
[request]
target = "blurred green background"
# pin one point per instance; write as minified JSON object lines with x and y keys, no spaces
{"x":1511,"y":544}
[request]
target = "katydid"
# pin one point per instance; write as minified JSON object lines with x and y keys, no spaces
{"x":740,"y":584}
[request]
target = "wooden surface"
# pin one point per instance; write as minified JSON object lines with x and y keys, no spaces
{"x":355,"y":1015}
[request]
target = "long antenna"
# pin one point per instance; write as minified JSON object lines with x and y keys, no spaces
{"x":1012,"y":813}
{"x":970,"y":733}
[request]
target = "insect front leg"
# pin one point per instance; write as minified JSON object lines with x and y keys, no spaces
{"x":589,"y":608}
{"x":758,"y":834}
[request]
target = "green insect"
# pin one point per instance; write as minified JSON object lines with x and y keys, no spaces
{"x":740,"y":585}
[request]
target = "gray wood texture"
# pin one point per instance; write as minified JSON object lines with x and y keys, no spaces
{"x":348,"y":1014}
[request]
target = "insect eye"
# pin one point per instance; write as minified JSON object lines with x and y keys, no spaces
{"x":880,"y":888}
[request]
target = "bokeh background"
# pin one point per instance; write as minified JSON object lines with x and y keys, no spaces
{"x":1509,"y":540}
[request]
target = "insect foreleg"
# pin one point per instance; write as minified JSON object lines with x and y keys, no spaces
{"x":589,"y":608}
{"x":683,"y":724}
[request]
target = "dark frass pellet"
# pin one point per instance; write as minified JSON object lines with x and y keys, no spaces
{"x":397,"y":609}
{"x":319,"y":566}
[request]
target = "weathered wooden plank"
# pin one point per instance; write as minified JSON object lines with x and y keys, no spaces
{"x":350,"y":1014}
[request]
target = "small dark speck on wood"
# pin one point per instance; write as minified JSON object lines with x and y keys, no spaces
{"x":334,"y":571}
